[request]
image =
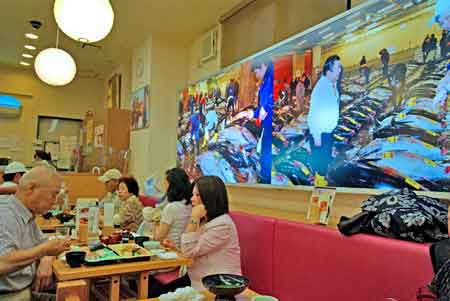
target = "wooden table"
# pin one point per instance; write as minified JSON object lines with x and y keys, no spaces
{"x":245,"y":296}
{"x":64,"y":273}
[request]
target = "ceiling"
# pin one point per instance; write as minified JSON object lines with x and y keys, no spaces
{"x":177,"y":20}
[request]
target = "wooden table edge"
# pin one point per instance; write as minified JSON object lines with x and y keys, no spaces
{"x":109,"y":270}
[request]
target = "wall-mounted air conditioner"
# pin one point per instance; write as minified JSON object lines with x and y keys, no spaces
{"x":208,"y":46}
{"x":10,"y":107}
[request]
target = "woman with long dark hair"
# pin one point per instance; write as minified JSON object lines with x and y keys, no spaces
{"x":175,"y":215}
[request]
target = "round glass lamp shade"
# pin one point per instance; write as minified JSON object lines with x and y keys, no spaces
{"x":55,"y":67}
{"x":84,"y":20}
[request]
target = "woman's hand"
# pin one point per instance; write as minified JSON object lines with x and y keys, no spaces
{"x":198,"y":212}
{"x":168,"y":244}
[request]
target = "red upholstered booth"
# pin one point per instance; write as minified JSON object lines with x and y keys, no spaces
{"x":295,"y":261}
{"x":148,"y":201}
{"x":256,"y":236}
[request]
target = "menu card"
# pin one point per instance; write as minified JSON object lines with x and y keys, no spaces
{"x":320,"y":205}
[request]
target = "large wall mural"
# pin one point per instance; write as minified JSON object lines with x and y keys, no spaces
{"x":358,"y":101}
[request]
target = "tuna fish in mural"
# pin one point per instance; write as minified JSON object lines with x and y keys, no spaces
{"x":435,"y":176}
{"x":238,"y":136}
{"x":403,"y":143}
{"x":211,"y":163}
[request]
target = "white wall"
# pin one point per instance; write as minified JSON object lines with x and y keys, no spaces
{"x":198,"y":70}
{"x":153,"y":150}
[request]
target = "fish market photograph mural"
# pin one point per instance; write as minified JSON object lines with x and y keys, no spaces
{"x":359,"y":100}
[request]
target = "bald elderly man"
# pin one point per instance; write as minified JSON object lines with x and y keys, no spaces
{"x":25,"y":254}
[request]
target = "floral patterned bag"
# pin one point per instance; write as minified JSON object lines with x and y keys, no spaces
{"x":404,"y":215}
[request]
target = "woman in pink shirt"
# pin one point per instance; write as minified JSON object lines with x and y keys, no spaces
{"x":211,"y":237}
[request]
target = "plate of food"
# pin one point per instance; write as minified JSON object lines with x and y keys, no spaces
{"x":130,"y":252}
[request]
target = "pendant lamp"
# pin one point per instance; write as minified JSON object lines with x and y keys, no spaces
{"x":55,"y":66}
{"x":87,"y":21}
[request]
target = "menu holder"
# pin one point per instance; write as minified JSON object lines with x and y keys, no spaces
{"x":320,"y":205}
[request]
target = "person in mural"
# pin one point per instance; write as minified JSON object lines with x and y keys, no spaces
{"x":398,"y":81}
{"x":443,"y":44}
{"x":264,"y":71}
{"x":433,"y":46}
{"x":442,"y":14}
{"x":202,"y":102}
{"x":283,"y":95}
{"x":384,"y":57}
{"x":293,"y":86}
{"x":323,"y":115}
{"x":194,"y":122}
{"x":425,"y":48}
{"x":191,"y":103}
{"x":231,"y":96}
{"x":306,"y":81}
{"x":216,"y":95}
{"x":442,"y":92}
{"x":364,"y":69}
{"x":300,"y":94}
{"x":211,"y":121}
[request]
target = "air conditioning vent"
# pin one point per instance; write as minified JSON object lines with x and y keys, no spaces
{"x":10,"y":106}
{"x":209,"y":46}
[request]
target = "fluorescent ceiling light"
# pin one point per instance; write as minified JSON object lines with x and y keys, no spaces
{"x":27,"y":55}
{"x":32,"y":36}
{"x":354,"y":38}
{"x":348,"y":36}
{"x":331,"y":34}
{"x":30,"y":47}
{"x":408,"y":5}
{"x":325,"y":30}
{"x":370,"y":26}
{"x":353,"y":24}
{"x":377,"y":19}
{"x":301,"y":43}
{"x":354,"y":15}
{"x":387,"y":8}
{"x":24,"y":63}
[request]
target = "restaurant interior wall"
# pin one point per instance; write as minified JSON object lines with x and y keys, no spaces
{"x":71,"y":101}
{"x":199,"y":69}
{"x":153,"y":149}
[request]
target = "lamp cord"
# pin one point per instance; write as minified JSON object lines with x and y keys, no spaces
{"x":57,"y":37}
